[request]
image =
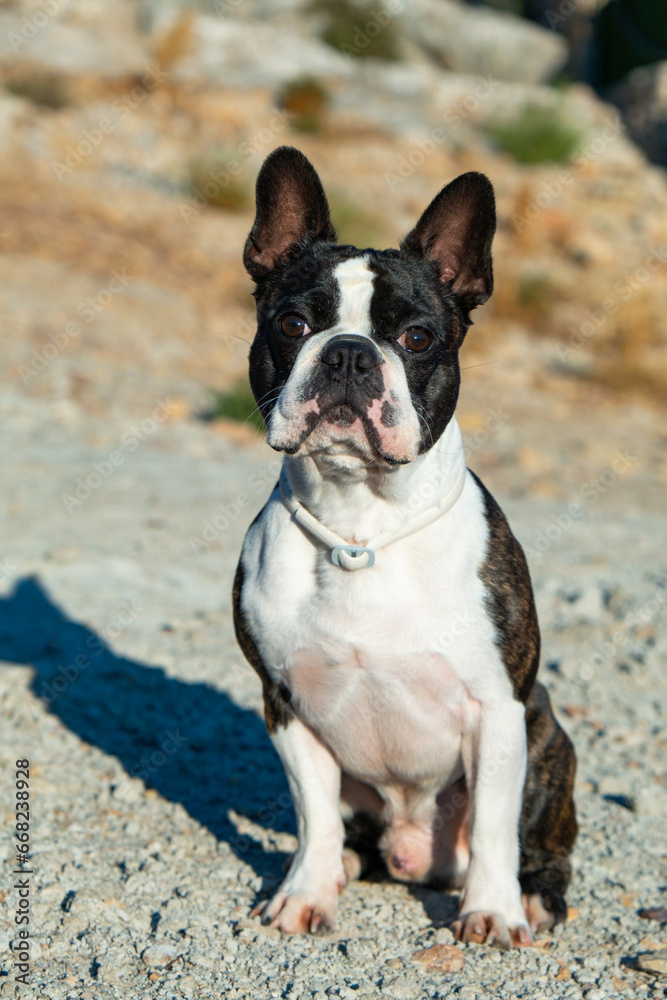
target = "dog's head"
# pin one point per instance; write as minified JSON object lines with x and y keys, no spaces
{"x":356,"y":352}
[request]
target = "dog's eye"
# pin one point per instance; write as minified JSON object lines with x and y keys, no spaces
{"x":415,"y":340}
{"x":294,"y":326}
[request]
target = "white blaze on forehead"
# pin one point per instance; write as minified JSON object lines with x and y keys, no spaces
{"x":355,"y":280}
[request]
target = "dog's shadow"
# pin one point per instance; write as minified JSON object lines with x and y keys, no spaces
{"x":188,"y":741}
{"x":441,"y":905}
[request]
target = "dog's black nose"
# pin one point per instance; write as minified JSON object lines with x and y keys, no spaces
{"x":351,"y":355}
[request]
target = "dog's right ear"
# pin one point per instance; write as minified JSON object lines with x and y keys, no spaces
{"x":291,"y":208}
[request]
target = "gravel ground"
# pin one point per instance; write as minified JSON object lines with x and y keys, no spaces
{"x":159,"y":810}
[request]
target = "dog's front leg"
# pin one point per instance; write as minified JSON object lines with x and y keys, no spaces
{"x":495,"y":765}
{"x":309,"y":895}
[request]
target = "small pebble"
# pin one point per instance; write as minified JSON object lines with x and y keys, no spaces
{"x":441,"y":958}
{"x":159,"y":955}
{"x":655,"y":961}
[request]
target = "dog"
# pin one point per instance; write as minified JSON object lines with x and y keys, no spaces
{"x":380,"y":594}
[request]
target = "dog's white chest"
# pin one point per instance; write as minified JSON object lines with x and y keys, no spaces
{"x":388,"y":718}
{"x":382,"y":664}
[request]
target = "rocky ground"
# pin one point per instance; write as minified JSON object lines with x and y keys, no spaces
{"x":160,"y":811}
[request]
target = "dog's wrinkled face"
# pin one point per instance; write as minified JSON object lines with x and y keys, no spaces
{"x":356,"y":353}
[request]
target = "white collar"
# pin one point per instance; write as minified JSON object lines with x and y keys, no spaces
{"x":353,"y":557}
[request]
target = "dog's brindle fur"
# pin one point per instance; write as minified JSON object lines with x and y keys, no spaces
{"x":547,"y":826}
{"x":277,"y":700}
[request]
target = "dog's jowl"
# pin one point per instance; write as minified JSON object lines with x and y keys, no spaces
{"x":380,"y":594}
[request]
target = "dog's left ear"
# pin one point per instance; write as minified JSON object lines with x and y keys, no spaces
{"x":456,"y":232}
{"x":291,"y":208}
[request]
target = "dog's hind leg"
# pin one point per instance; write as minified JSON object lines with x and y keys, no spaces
{"x":362,"y":811}
{"x":548,"y":826}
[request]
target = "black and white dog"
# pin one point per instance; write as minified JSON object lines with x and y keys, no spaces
{"x":380,"y":594}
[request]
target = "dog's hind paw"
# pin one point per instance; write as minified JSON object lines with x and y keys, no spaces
{"x":538,"y":916}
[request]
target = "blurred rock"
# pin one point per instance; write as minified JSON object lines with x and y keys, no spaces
{"x":159,"y":955}
{"x":654,"y":962}
{"x":574,"y":22}
{"x":251,"y":54}
{"x":642,"y":99}
{"x":96,"y":38}
{"x":589,"y":606}
{"x":107,"y":183}
{"x":652,"y":801}
{"x":485,"y":42}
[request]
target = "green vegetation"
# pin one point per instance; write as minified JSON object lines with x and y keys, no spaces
{"x":306,"y":100}
{"x":359,"y":30}
{"x":219,"y":180}
{"x":508,"y":6}
{"x":237,"y":403}
{"x":353,"y":224}
{"x":533,"y":290}
{"x":537,"y":135}
{"x":47,"y":89}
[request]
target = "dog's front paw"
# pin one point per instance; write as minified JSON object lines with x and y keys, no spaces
{"x":298,"y":913}
{"x":492,"y":929}
{"x":303,"y":904}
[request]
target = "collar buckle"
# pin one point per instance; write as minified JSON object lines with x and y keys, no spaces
{"x":351,"y":556}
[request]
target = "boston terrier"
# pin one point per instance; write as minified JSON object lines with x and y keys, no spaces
{"x":380,"y":594}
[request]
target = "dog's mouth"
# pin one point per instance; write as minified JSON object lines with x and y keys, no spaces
{"x":347,"y":421}
{"x":337,"y":424}
{"x":347,"y":429}
{"x":341,"y":415}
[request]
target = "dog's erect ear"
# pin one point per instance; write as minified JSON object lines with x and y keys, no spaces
{"x":456,"y":232}
{"x":291,"y":208}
